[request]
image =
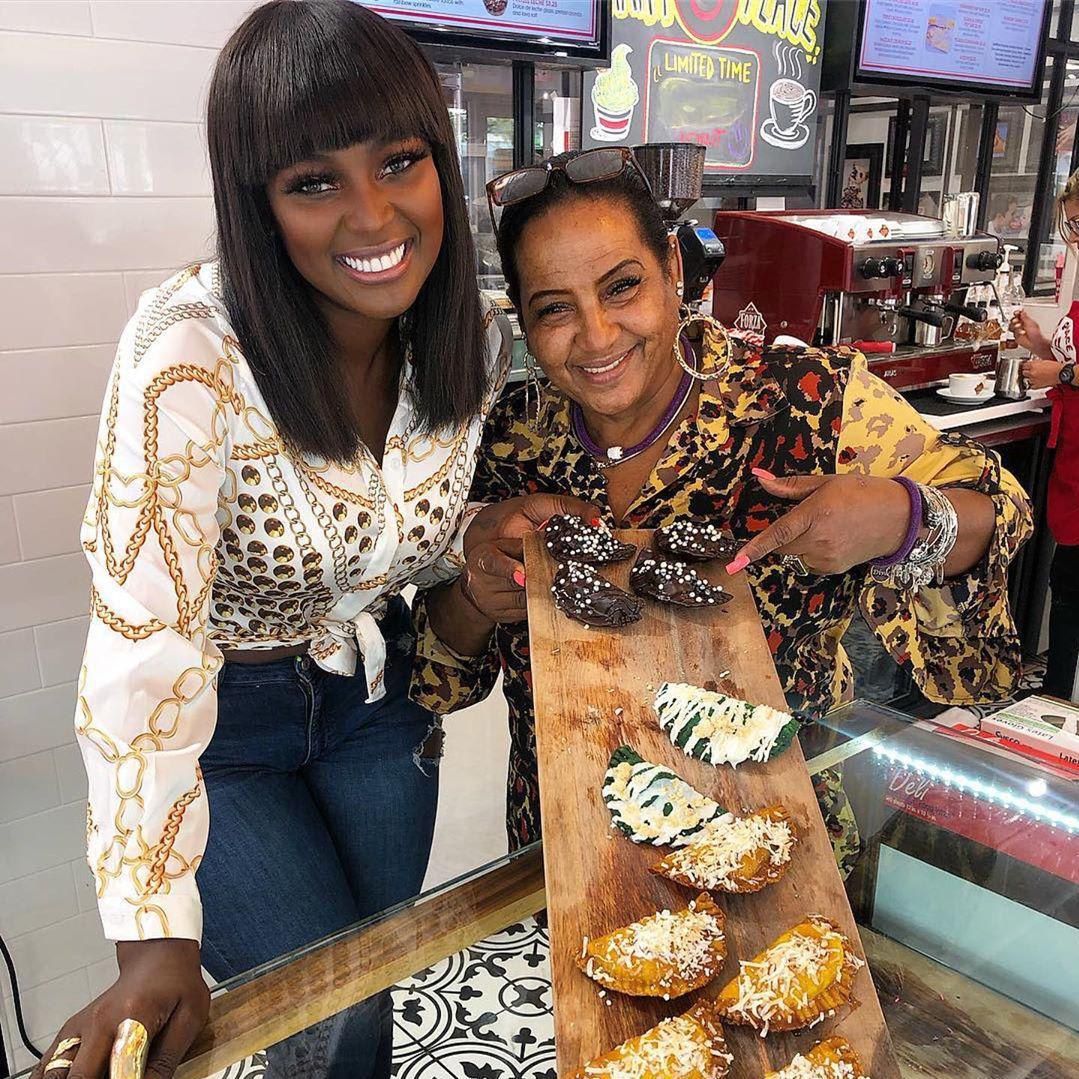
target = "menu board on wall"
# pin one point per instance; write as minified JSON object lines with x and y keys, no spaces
{"x":985,"y":43}
{"x":739,"y":77}
{"x":558,"y":20}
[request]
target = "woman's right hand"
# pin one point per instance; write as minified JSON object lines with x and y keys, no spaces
{"x":494,"y":577}
{"x":1028,"y":335}
{"x":161,"y":986}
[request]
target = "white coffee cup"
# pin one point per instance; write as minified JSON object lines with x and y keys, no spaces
{"x":790,"y":103}
{"x":968,"y":384}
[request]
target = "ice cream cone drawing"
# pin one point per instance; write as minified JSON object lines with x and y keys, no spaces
{"x":614,"y":97}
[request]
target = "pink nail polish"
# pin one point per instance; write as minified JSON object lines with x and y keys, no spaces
{"x":737,"y":565}
{"x":597,"y":521}
{"x":762,"y":474}
{"x":519,"y":578}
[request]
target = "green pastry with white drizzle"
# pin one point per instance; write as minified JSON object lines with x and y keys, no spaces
{"x":718,"y":729}
{"x":650,"y":804}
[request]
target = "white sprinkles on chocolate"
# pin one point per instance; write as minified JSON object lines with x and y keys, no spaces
{"x":674,"y":582}
{"x":571,"y":539}
{"x":700,"y":540}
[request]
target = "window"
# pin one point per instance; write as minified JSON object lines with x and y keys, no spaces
{"x":480,"y":101}
{"x":1052,"y":246}
{"x":1013,"y":177}
{"x":557,"y":120}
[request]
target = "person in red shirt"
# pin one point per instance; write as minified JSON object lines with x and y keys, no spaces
{"x":1052,"y":364}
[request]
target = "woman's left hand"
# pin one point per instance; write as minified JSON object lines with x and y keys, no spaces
{"x":839,"y":521}
{"x":1041,"y":374}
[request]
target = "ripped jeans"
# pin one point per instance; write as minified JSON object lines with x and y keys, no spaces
{"x":322,"y":809}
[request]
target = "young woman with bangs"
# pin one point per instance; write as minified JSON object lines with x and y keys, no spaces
{"x":287,"y":441}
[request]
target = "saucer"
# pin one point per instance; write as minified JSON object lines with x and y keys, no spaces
{"x":958,"y":399}
{"x":794,"y":141}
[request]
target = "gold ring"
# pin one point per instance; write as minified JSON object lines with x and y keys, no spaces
{"x":129,"y":1051}
{"x":58,"y":1062}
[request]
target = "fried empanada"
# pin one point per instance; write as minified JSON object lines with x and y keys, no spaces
{"x":718,"y":729}
{"x":831,"y":1059}
{"x":689,"y":1046}
{"x":800,"y":980}
{"x":734,"y":854}
{"x":667,"y":954}
{"x":650,"y":804}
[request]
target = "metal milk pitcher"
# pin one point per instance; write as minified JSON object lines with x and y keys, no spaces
{"x":1010,"y":381}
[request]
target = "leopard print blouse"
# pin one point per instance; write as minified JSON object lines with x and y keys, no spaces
{"x":792,"y":412}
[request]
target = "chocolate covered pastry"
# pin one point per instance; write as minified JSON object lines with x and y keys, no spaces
{"x":581,"y":593}
{"x":674,"y":582}
{"x":696,"y":541}
{"x":569,"y":539}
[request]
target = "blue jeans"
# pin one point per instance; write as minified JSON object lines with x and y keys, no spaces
{"x":322,"y":810}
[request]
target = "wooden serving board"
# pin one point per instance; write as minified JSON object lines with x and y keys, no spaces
{"x":597,"y":880}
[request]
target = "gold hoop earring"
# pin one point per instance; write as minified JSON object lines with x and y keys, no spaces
{"x":688,"y":319}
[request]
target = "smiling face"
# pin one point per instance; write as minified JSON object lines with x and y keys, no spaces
{"x":362,"y":225}
{"x":600,"y":311}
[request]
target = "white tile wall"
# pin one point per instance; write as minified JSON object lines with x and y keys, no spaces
{"x":39,"y":900}
{"x":9,"y":538}
{"x":19,"y":671}
{"x":157,"y":159}
{"x":47,"y":1006}
{"x":35,"y":721}
{"x":53,"y":310}
{"x":52,"y":75}
{"x":59,"y":649}
{"x":52,"y":453}
{"x":104,"y":192}
{"x":54,"y":382}
{"x":28,"y":785}
{"x":48,"y":521}
{"x":102,"y":233}
{"x":46,"y":16}
{"x":41,"y":155}
{"x":195,"y":22}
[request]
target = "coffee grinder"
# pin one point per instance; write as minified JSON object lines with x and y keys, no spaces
{"x":676,"y":172}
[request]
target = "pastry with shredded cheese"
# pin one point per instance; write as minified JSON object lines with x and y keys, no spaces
{"x":650,"y":804}
{"x":689,"y":1046}
{"x":834,"y":1058}
{"x":734,"y":854}
{"x":800,"y":980}
{"x":667,"y":954}
{"x":719,"y":729}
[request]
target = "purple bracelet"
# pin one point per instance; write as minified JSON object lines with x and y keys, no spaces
{"x":903,"y":552}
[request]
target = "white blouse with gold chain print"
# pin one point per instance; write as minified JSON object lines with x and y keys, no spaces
{"x":205,"y":531}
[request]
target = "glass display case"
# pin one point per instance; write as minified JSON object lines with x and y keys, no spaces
{"x":966,"y":889}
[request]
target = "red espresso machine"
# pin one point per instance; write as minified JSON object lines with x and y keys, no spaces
{"x":891,"y":282}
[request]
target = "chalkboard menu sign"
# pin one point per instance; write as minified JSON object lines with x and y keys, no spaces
{"x":739,"y":77}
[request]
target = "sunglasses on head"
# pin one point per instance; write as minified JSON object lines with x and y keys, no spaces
{"x":603,"y":164}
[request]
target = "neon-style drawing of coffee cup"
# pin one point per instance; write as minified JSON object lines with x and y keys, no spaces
{"x":790,"y":103}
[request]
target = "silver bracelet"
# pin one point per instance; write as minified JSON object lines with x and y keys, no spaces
{"x":925,"y":563}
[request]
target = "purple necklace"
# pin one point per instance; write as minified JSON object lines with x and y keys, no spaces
{"x":615,"y":455}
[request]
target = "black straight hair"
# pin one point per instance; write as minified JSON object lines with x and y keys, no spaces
{"x":626,"y":188}
{"x":298,"y":78}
